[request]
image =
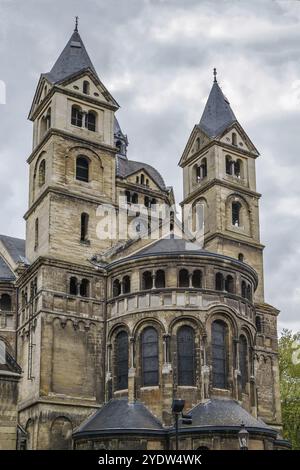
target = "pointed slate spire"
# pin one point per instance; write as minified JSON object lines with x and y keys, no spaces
{"x":73,"y":59}
{"x":217,"y":114}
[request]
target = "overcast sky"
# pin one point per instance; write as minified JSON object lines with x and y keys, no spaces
{"x":156,"y":58}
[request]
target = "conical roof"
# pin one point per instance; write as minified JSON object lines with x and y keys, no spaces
{"x":72,"y":60}
{"x":217,"y":114}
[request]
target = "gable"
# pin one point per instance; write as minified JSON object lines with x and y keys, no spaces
{"x":241,"y":142}
{"x":197,"y":141}
{"x":96,"y":90}
{"x":42,"y":90}
{"x":142,"y":175}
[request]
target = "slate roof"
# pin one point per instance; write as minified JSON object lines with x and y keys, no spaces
{"x":217,"y":114}
{"x":218,"y":413}
{"x":72,"y":60}
{"x":15,"y":247}
{"x":119,"y":414}
{"x":5,"y":272}
{"x":171,"y":245}
{"x":125,"y":168}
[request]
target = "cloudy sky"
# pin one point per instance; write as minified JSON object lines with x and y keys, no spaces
{"x":156,"y":57}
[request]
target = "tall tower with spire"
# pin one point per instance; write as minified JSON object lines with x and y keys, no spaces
{"x":62,"y":307}
{"x":219,"y":171}
{"x":72,"y":164}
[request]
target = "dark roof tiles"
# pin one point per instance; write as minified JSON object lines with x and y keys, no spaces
{"x":126,"y":168}
{"x":123,"y":415}
{"x":5,"y":272}
{"x":217,"y":114}
{"x":224,"y":413}
{"x":72,"y":60}
{"x":15,"y":247}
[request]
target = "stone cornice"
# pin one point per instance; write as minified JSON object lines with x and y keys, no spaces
{"x":64,"y":134}
{"x":64,"y":192}
{"x":200,"y":190}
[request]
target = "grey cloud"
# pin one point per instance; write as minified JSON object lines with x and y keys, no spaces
{"x":122,"y":40}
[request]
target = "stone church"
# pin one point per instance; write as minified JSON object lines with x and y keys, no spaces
{"x":98,"y":335}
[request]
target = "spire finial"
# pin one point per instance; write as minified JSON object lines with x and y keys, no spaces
{"x":76,"y":23}
{"x":215,"y":75}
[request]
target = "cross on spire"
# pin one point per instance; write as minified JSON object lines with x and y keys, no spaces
{"x":76,"y":23}
{"x":215,"y":75}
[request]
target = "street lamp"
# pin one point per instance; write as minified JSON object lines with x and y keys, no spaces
{"x":177,"y":407}
{"x":243,"y":436}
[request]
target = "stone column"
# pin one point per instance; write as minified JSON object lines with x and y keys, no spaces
{"x":131,"y":371}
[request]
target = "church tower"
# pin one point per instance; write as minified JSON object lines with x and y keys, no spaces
{"x":219,"y":171}
{"x":61,"y":314}
{"x":72,"y":165}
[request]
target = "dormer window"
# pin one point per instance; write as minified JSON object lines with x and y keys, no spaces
{"x":86,"y":87}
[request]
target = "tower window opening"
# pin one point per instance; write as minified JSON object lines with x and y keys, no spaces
{"x":84,"y":226}
{"x":237,"y":168}
{"x":137,"y":180}
{"x":86,"y":87}
{"x":203,"y":168}
{"x":142,"y":179}
{"x":229,"y":165}
{"x":73,"y":288}
{"x":241,"y":257}
{"x":42,"y":173}
{"x":84,"y":288}
{"x":234,"y":139}
{"x":91,"y":121}
{"x":197,"y":144}
{"x":236,"y":209}
{"x":76,"y":116}
{"x":36,"y":234}
{"x":82,"y":169}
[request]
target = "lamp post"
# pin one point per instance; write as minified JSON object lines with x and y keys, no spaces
{"x":243,"y":436}
{"x":177,"y":407}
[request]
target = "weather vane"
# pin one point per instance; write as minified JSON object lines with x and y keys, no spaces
{"x":76,"y":23}
{"x":215,"y":75}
